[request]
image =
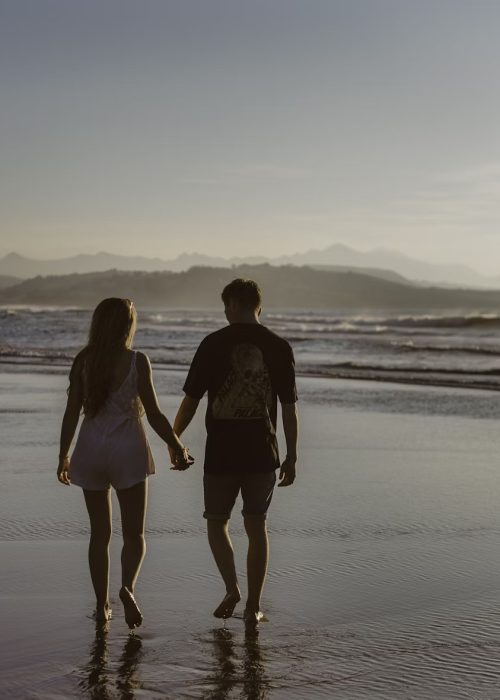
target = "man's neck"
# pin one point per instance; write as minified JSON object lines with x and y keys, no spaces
{"x":245,"y":318}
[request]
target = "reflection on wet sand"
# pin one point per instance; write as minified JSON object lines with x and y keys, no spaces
{"x":96,"y":678}
{"x":128,"y":678}
{"x":255,"y":684}
{"x":232,"y":672}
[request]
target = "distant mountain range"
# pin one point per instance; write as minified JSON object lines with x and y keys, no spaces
{"x":379,"y":262}
{"x":8,"y":281}
{"x":283,"y":287}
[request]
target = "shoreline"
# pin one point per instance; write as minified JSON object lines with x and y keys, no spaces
{"x":414,"y":377}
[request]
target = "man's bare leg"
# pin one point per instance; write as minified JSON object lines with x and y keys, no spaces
{"x":223,"y":553}
{"x":257,"y":560}
{"x":99,"y":509}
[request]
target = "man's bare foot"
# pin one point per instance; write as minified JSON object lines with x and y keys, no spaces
{"x":226,"y":608}
{"x":252,"y":617}
{"x":133,"y":616}
{"x":103,"y":614}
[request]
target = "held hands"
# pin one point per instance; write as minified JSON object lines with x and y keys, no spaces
{"x":287,"y":471}
{"x":180,"y":458}
{"x":62,"y":471}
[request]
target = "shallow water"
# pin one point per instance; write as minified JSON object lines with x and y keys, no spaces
{"x":384,"y":574}
{"x":445,"y":349}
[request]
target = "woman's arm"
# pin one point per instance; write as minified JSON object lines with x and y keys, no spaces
{"x":70,"y":420}
{"x":156,"y":418}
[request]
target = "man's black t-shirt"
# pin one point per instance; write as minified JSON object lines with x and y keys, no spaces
{"x":245,"y":368}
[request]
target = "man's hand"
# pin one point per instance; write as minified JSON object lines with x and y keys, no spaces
{"x":180,"y":458}
{"x":62,"y":471}
{"x":287,"y":471}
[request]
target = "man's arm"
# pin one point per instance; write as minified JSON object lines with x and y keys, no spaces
{"x":291,"y":429}
{"x":184,"y":416}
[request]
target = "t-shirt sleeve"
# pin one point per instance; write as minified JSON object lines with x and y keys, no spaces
{"x":285,"y":385}
{"x":197,"y":380}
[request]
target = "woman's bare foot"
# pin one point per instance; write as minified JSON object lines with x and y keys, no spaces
{"x":103,"y":613}
{"x":226,"y":608}
{"x":133,"y":616}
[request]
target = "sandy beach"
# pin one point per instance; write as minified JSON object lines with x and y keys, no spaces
{"x":384,"y":575}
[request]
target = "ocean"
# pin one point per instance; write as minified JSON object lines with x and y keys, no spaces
{"x":450,"y":349}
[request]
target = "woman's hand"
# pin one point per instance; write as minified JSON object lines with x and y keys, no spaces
{"x":62,"y":471}
{"x":180,"y":458}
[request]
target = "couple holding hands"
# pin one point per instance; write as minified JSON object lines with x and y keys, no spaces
{"x":245,"y":368}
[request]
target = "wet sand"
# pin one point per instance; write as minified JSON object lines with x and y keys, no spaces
{"x":375,"y":638}
{"x":384,"y":575}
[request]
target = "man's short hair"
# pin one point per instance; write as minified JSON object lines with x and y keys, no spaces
{"x":245,"y":292}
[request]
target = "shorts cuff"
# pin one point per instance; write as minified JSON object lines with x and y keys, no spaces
{"x":216,"y":516}
{"x":257,"y":516}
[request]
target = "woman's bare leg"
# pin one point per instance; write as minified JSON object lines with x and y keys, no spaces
{"x":99,"y":509}
{"x":133,"y":504}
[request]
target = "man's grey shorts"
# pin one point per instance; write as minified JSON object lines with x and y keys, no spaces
{"x":221,"y":491}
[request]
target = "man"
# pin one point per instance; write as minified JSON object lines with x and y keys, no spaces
{"x":245,"y":368}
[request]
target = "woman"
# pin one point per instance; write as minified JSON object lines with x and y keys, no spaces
{"x":114,"y":385}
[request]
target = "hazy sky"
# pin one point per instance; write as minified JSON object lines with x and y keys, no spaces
{"x":250,"y":127}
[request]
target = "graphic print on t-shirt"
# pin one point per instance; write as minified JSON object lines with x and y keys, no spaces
{"x":246,"y":392}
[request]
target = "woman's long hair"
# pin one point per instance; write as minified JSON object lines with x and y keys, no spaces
{"x":111,"y":331}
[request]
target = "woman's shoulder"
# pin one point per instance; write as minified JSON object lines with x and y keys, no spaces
{"x":142,"y":360}
{"x":79,"y":360}
{"x":140,"y":356}
{"x":77,"y":366}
